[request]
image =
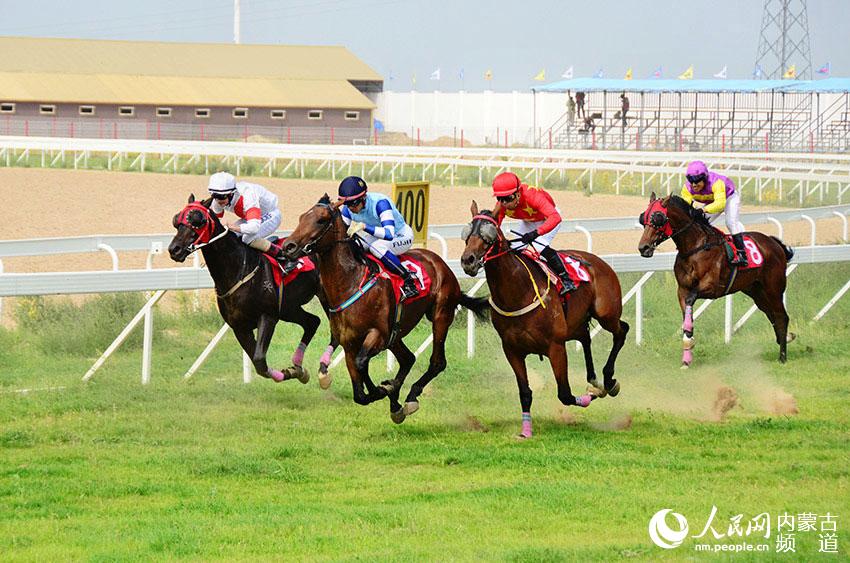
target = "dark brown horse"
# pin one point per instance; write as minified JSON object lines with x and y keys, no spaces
{"x":364,"y":304}
{"x":530,"y":318}
{"x":247,"y":295}
{"x":703,"y":271}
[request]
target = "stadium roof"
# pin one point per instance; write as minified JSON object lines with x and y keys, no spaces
{"x":713,"y":85}
{"x":78,"y":70}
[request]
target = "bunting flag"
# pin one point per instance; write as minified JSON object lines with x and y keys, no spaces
{"x":721,"y":74}
{"x":435,"y":75}
{"x":628,"y":74}
{"x":599,"y":73}
{"x":488,"y":74}
{"x":460,"y":74}
{"x":688,"y":74}
{"x":568,"y":74}
{"x":825,"y":69}
{"x":791,"y":72}
{"x":657,"y":73}
{"x":758,"y":72}
{"x":414,"y":80}
{"x":541,"y":76}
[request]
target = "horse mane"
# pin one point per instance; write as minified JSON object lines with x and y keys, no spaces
{"x":692,"y":212}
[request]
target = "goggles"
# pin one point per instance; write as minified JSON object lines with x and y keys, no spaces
{"x":695,"y":179}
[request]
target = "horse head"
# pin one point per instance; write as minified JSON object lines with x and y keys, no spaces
{"x":311,"y":234}
{"x":479,"y":235}
{"x":196,"y":225}
{"x":665,"y":218}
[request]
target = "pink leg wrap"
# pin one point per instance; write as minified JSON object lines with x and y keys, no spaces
{"x":687,"y":357}
{"x":583,"y":401}
{"x":277,"y":375}
{"x":326,"y":357}
{"x":298,"y":356}
{"x":688,"y":323}
{"x":526,"y":425}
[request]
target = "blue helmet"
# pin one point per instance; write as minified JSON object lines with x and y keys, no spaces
{"x":352,"y":188}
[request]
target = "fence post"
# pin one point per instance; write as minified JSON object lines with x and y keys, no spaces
{"x":71,"y":127}
{"x":593,"y":139}
{"x":289,"y":135}
{"x":158,"y":131}
{"x":202,"y":132}
{"x":332,"y":135}
{"x":767,"y":142}
{"x":461,"y":138}
{"x":506,"y":138}
{"x":245,"y":134}
{"x":114,"y":130}
{"x":550,"y":138}
{"x":27,"y":128}
{"x":418,"y":140}
{"x":375,"y":133}
{"x":723,"y":143}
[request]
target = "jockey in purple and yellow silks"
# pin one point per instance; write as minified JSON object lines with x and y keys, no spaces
{"x":718,"y":194}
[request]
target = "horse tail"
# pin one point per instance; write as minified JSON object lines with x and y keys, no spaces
{"x":789,"y":252}
{"x":480,"y":306}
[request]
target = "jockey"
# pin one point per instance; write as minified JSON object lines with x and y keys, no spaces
{"x":257,"y":210}
{"x":377,"y":222}
{"x":718,"y":194}
{"x":540,"y":220}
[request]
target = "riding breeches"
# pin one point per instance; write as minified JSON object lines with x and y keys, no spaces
{"x":399,"y":245}
{"x":733,"y":224}
{"x":540,"y":242}
{"x":268,"y":225}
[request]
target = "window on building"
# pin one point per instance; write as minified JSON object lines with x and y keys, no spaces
{"x":7,"y":107}
{"x":202,"y":112}
{"x":126,"y":111}
{"x":240,"y":113}
{"x":314,"y":114}
{"x":46,"y":109}
{"x":352,"y":116}
{"x":86,"y":110}
{"x":278,"y":114}
{"x":163,"y":112}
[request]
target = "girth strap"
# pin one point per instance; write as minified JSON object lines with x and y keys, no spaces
{"x":239,"y":284}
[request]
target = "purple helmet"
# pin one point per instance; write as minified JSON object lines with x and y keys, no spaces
{"x":697,"y":172}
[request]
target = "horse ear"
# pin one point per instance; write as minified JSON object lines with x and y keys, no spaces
{"x":326,"y":199}
{"x":474,"y":208}
{"x":191,"y":198}
{"x":652,"y":197}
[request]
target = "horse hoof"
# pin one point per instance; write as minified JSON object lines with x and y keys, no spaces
{"x":790,"y":337}
{"x":685,"y":365}
{"x":388,"y":386}
{"x":584,"y":401}
{"x":411,"y":407}
{"x":594,"y":387}
{"x":523,"y":436}
{"x":299,"y":373}
{"x":615,"y":389}
{"x":398,"y":416}
{"x":325,"y":380}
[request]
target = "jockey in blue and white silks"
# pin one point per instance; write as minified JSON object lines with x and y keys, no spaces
{"x":377,"y":222}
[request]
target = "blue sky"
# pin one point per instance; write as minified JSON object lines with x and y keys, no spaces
{"x":514,"y":39}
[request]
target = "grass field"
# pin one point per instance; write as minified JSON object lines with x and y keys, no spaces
{"x":216,"y":469}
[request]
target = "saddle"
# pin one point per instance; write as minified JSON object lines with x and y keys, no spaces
{"x":423,"y":280}
{"x":754,"y":256}
{"x":576,"y":268}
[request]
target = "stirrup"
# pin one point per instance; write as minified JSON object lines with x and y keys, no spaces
{"x":567,"y":285}
{"x":740,"y":260}
{"x":288,"y":266}
{"x":408,"y":290}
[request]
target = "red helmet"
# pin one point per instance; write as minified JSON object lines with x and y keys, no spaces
{"x":505,"y":184}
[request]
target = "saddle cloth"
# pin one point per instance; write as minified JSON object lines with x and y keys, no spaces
{"x":754,"y":256}
{"x":423,"y":280}
{"x":576,"y":269}
{"x":304,"y":265}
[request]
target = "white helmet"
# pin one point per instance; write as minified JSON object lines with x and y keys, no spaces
{"x":222,"y":183}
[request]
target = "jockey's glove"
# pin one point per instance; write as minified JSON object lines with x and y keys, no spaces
{"x":355,"y":227}
{"x":528,"y":237}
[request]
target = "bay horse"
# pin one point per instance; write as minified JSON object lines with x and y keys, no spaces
{"x":529,"y":322}
{"x":246,"y":292}
{"x":703,"y":271}
{"x":364,"y":311}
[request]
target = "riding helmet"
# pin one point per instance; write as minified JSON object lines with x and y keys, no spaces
{"x":505,"y":184}
{"x":352,"y":188}
{"x":697,"y":172}
{"x":222,"y":183}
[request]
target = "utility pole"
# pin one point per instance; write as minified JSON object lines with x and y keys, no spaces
{"x":237,"y":38}
{"x":784,"y":39}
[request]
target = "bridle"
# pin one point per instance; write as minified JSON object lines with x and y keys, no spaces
{"x":475,"y":229}
{"x":310,"y":246}
{"x":204,"y":232}
{"x":660,"y":222}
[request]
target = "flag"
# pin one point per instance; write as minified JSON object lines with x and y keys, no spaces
{"x":541,"y":76}
{"x":657,"y":73}
{"x":414,"y":80}
{"x":758,"y":72}
{"x":791,"y":72}
{"x":825,"y":69}
{"x":628,"y":74}
{"x":488,"y":74}
{"x":435,"y":75}
{"x":599,"y":73}
{"x":460,"y":74}
{"x":568,"y":74}
{"x":688,"y":74}
{"x":721,"y":74}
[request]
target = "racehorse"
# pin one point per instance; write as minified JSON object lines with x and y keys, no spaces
{"x":364,"y":313}
{"x":703,"y":271}
{"x":248,"y":296}
{"x":529,"y":322}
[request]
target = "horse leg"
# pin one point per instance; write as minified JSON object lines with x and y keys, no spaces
{"x":687,"y":298}
{"x":406,"y":359}
{"x":774,"y":309}
{"x":584,"y":339}
{"x":619,"y":329}
{"x":368,"y":349}
{"x":440,"y":322}
{"x":324,"y":362}
{"x":309,"y":323}
{"x":246,"y":339}
{"x":558,"y":360}
{"x":517,"y":362}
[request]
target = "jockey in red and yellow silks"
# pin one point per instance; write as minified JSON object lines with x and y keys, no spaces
{"x":539,"y":218}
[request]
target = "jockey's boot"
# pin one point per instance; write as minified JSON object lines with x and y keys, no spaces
{"x":557,"y":265}
{"x":741,"y":259}
{"x":393,"y":264}
{"x":276,"y":251}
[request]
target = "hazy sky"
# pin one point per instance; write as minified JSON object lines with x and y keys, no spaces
{"x":513,"y":38}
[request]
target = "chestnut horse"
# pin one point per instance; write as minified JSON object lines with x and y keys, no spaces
{"x":364,"y":311}
{"x":530,"y":318}
{"x":247,"y":296}
{"x":703,"y":271}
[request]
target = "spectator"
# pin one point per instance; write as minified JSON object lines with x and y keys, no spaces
{"x":580,"y":104}
{"x":624,"y":108}
{"x":589,"y":125}
{"x":571,"y":109}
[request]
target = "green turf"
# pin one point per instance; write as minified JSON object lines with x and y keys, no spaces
{"x":216,"y":469}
